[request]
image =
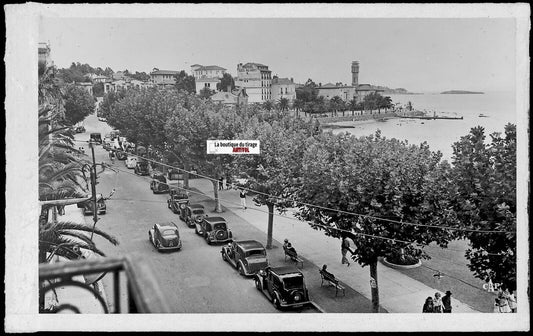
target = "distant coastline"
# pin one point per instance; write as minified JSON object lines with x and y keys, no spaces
{"x":461,"y":92}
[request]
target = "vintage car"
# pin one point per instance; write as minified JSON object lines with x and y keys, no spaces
{"x":159,"y":184}
{"x":192,"y":214}
{"x":284,"y":286}
{"x":214,"y":230}
{"x":248,"y":256}
{"x":96,"y":137}
{"x":141,"y":168}
{"x":165,"y":236}
{"x":178,"y":200}
{"x":121,"y":155}
{"x":131,"y":162}
{"x":80,"y":129}
{"x":88,"y":205}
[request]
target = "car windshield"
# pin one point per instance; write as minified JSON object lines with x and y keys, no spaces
{"x":293,"y":282}
{"x":180,"y":196}
{"x":257,"y":252}
{"x":198,"y":212}
{"x":219,"y":226}
{"x":169,"y":233}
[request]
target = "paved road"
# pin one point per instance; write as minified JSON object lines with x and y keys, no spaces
{"x":195,"y":279}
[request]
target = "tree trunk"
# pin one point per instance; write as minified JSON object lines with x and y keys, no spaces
{"x":374,"y":286}
{"x":270,"y":207}
{"x":218,"y":207}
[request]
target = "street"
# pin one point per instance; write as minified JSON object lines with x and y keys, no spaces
{"x":194,"y":279}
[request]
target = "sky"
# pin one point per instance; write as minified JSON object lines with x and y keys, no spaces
{"x":418,"y":54}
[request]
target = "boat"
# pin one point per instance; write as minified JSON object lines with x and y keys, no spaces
{"x":481,"y":115}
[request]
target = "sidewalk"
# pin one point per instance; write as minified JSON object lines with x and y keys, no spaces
{"x":81,"y":298}
{"x":398,"y":293}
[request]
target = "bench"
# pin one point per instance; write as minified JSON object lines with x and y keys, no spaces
{"x":332,"y":281}
{"x":293,"y":256}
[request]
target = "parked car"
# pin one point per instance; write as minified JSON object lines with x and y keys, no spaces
{"x":284,"y":286}
{"x":130,"y":162}
{"x":247,"y":256}
{"x":159,"y":184}
{"x":121,"y":155}
{"x":141,"y":168}
{"x":96,"y":137}
{"x":193,"y":214}
{"x":177,"y":201}
{"x":214,"y":230}
{"x":165,"y":236}
{"x":88,"y":205}
{"x":80,"y":129}
{"x":106,"y":143}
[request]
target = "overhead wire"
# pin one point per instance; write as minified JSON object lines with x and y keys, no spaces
{"x":326,"y":208}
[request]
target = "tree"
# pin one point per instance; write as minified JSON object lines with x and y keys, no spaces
{"x":283,"y":104}
{"x":337,"y":104}
{"x":353,"y":104}
{"x":273,"y":174}
{"x":225,"y":82}
{"x":78,"y":104}
{"x":268,"y":105}
{"x":308,"y":92}
{"x":206,"y":92}
{"x":409,"y":106}
{"x":141,"y":76}
{"x":298,"y":104}
{"x":381,"y":180}
{"x":185,"y":82}
{"x":108,"y":72}
{"x":98,"y":89}
{"x":483,"y":197}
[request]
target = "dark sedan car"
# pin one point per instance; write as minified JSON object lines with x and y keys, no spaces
{"x":247,"y":256}
{"x":177,"y":201}
{"x":159,"y":184}
{"x":193,"y":214}
{"x":141,"y":168}
{"x":165,"y":236}
{"x":88,"y":205}
{"x":214,"y":230}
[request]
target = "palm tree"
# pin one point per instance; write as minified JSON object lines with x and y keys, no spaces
{"x":268,"y":105}
{"x":298,"y":105}
{"x":353,"y":104}
{"x":336,"y":104}
{"x":283,"y":104}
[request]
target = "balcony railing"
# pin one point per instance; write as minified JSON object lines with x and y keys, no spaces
{"x":144,"y":294}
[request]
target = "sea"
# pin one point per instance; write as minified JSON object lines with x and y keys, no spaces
{"x":498,"y":109}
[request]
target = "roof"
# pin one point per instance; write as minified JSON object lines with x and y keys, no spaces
{"x":281,"y":81}
{"x":282,"y":270}
{"x":209,"y":67}
{"x":250,"y":244}
{"x":196,"y":206}
{"x":164,"y":72}
{"x":171,"y":225}
{"x":214,"y":219}
{"x":328,"y":85}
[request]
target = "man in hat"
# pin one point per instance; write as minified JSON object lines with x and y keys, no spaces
{"x":285,"y":244}
{"x":447,"y":302}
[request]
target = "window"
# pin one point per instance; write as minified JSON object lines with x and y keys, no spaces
{"x":285,"y":90}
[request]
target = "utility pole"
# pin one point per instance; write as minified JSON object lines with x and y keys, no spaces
{"x":93,"y":188}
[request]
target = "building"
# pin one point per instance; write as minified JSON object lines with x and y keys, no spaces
{"x":86,"y":86}
{"x":206,"y":82}
{"x":283,"y":88}
{"x":209,"y":71}
{"x":348,"y":92}
{"x":256,"y":79}
{"x":44,"y":54}
{"x":100,"y":79}
{"x":233,"y":98}
{"x":163,"y":77}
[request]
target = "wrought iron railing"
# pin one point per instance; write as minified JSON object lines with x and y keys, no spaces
{"x":143,"y":292}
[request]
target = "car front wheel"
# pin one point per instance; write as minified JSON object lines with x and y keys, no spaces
{"x":224,"y":256}
{"x":275,"y":301}
{"x":258,"y":284}
{"x":240,"y":269}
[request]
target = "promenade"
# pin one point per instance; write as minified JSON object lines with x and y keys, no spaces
{"x":398,"y":292}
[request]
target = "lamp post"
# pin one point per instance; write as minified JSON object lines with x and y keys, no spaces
{"x":92,"y":170}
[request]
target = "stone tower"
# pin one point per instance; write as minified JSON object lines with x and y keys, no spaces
{"x":355,"y":73}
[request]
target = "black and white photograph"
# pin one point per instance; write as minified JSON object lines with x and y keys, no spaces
{"x":267,"y":167}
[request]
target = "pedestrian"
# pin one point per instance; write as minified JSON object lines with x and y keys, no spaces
{"x":503,"y":299}
{"x":242,"y":195}
{"x":220,"y":183}
{"x":224,"y":183}
{"x":345,"y":247}
{"x":294,"y":255}
{"x":325,"y":271}
{"x":428,"y":305}
{"x":512,"y":301}
{"x":496,"y":308}
{"x":437,"y":303}
{"x":447,"y":302}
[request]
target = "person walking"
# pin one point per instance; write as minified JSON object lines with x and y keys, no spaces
{"x":512,"y":301}
{"x":496,"y":308}
{"x":437,"y":304}
{"x":345,"y":247}
{"x":220,"y":183}
{"x":447,"y":302}
{"x":242,"y":195}
{"x":428,"y":305}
